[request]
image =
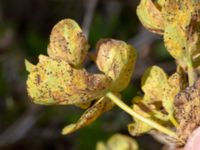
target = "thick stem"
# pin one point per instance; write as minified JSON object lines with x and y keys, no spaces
{"x":148,"y":121}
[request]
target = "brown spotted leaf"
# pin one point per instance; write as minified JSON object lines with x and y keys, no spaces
{"x":68,"y":43}
{"x":153,"y":83}
{"x":56,"y":82}
{"x":116,"y":59}
{"x":187,"y":104}
{"x":181,"y":36}
{"x":159,"y":92}
{"x":90,"y":115}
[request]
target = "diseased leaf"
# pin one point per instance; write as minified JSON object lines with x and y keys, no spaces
{"x":181,"y":36}
{"x":153,"y":83}
{"x":56,"y":82}
{"x":176,"y":83}
{"x":61,"y":78}
{"x":159,"y":92}
{"x":150,"y":16}
{"x":118,"y":142}
{"x":177,"y":11}
{"x":176,"y":42}
{"x":116,"y":59}
{"x":187,"y":111}
{"x":68,"y":43}
{"x":90,"y":115}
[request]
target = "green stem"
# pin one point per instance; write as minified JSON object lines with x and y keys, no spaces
{"x":148,"y":121}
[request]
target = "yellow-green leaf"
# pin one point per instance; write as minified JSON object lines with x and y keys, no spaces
{"x":181,"y":36}
{"x":154,"y":81}
{"x":116,"y":59}
{"x":176,"y":43}
{"x":68,"y":43}
{"x":177,"y":11}
{"x":56,"y":82}
{"x":176,"y":83}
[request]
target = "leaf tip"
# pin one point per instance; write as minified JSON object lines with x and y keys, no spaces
{"x":29,"y":66}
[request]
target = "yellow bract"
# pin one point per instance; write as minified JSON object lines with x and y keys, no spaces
{"x":118,"y":142}
{"x":61,"y":79}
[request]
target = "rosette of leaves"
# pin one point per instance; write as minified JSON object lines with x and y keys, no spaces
{"x":118,"y":142}
{"x":157,"y":102}
{"x":61,"y":79}
{"x":179,"y":23}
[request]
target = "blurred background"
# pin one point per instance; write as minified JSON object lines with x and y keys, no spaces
{"x":25,"y":26}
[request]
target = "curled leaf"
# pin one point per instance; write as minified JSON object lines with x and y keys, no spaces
{"x":118,"y":142}
{"x":68,"y":43}
{"x":150,"y":16}
{"x":116,"y":59}
{"x":56,"y":82}
{"x":90,"y":115}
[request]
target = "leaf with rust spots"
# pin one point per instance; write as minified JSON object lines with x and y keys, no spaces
{"x":153,"y":83}
{"x":90,"y":115}
{"x":176,"y":83}
{"x":187,"y":104}
{"x":61,"y":78}
{"x":118,"y":142}
{"x":150,"y":16}
{"x":181,"y":12}
{"x":56,"y":82}
{"x":178,"y":45}
{"x":116,"y":59}
{"x":68,"y":43}
{"x":159,"y":92}
{"x":182,"y":34}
